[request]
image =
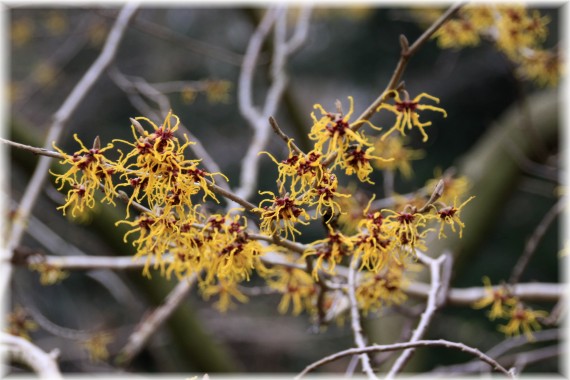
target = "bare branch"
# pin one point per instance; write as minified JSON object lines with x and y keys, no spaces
{"x":522,"y":359}
{"x":182,"y":40}
{"x":355,"y":318}
{"x":284,"y":137}
{"x":534,"y":239}
{"x":498,"y":351}
{"x":400,"y":346}
{"x":258,"y":119}
{"x":548,"y":292}
{"x":151,"y":322}
{"x":24,"y":256}
{"x":42,"y":363}
{"x":33,"y":149}
{"x":427,"y":315}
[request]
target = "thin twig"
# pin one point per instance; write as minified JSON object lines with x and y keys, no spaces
{"x":405,"y":56}
{"x":280,"y":133}
{"x":498,"y":351}
{"x":151,"y":322}
{"x":42,"y":363}
{"x":522,"y":359}
{"x":60,"y":120}
{"x":401,"y":346}
{"x":535,"y":238}
{"x":355,"y":318}
{"x":182,"y":40}
{"x":427,"y":315}
{"x":556,"y":314}
{"x":446,"y":272}
{"x":250,"y":161}
{"x":231,"y":196}
{"x":33,"y":149}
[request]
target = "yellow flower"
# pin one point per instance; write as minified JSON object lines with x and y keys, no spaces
{"x":235,"y":253}
{"x":407,"y":115}
{"x":56,"y":23}
{"x":96,"y":346}
{"x":325,"y":192}
{"x":301,"y":169}
{"x":450,"y":215}
{"x":226,"y":291}
{"x":500,"y":299}
{"x":21,"y":31}
{"x":88,"y":168}
{"x":401,"y":156}
{"x":373,"y":242}
{"x":20,"y":324}
{"x":217,"y":91}
{"x":49,"y":274}
{"x":283,"y":213}
{"x":188,"y":95}
{"x":482,"y":17}
{"x":335,"y":129}
{"x":331,"y":250}
{"x":542,"y":66}
{"x":357,"y":161}
{"x":296,"y":285}
{"x":406,"y":226}
{"x":522,"y":319}
{"x":376,"y":290}
{"x":155,"y":234}
{"x":457,"y":33}
{"x":517,"y":30}
{"x":161,"y":174}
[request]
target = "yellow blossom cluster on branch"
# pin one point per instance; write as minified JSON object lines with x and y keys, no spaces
{"x":179,"y":233}
{"x":516,"y":31}
{"x":504,"y":305}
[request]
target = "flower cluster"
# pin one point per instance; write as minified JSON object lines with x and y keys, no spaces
{"x":177,"y":235}
{"x":88,"y":168}
{"x":20,"y":324}
{"x":515,"y":30}
{"x":406,"y":112}
{"x":297,"y":288}
{"x":504,"y":305}
{"x":385,"y":288}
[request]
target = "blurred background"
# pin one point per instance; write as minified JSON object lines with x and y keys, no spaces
{"x":350,"y":51}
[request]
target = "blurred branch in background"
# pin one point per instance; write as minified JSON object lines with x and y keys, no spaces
{"x":43,"y":364}
{"x":257,"y":117}
{"x":60,"y":119}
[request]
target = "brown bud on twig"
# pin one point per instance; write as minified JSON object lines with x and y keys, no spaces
{"x":338,"y":106}
{"x":435,"y":195}
{"x":404,"y":44}
{"x":97,"y":143}
{"x":138,"y":126}
{"x":401,"y":86}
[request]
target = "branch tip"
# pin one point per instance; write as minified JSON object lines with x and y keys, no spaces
{"x":137,"y":125}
